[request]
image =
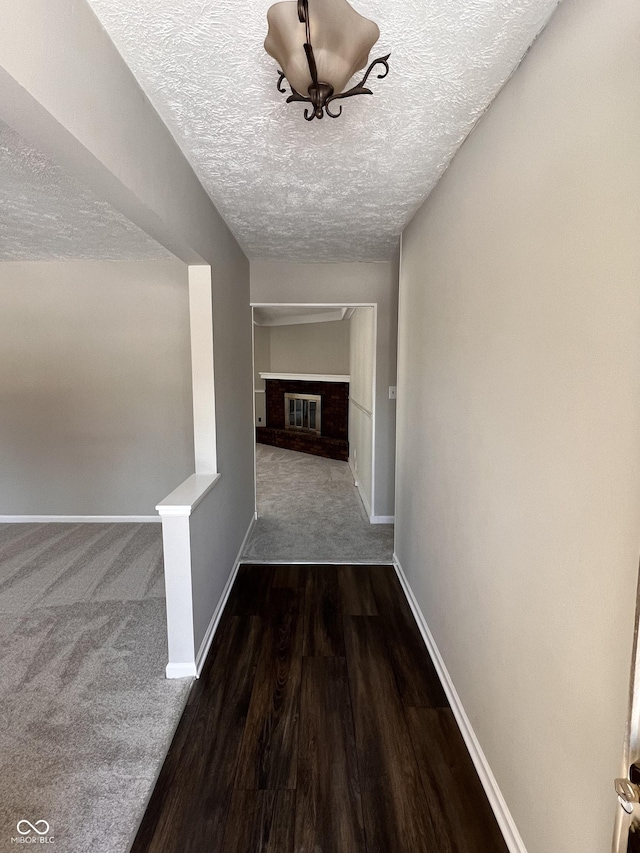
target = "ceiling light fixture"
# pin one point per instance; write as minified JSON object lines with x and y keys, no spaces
{"x":342,"y":40}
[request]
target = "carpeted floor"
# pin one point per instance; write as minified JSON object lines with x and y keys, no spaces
{"x":86,"y":714}
{"x":309,"y":510}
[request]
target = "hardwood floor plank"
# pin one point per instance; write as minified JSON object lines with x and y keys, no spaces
{"x":195,"y":805}
{"x":289,"y":576}
{"x":356,"y":595}
{"x":395,"y":809}
{"x":451,"y":781}
{"x":322,"y":616}
{"x":415,"y":673}
{"x":250,"y":590}
{"x":269,"y":749}
{"x":260,"y":822}
{"x":338,"y":751}
{"x":159,"y":804}
{"x":328,"y":806}
{"x":159,"y":823}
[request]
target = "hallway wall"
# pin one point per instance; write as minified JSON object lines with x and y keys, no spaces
{"x":261,"y":364}
{"x":310,"y":348}
{"x":361,"y":367}
{"x":518,"y":502}
{"x":108,"y":135}
{"x":342,"y":284}
{"x":95,"y":386}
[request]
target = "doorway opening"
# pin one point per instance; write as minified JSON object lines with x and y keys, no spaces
{"x":314,"y":417}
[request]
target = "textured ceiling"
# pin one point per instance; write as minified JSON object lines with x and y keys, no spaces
{"x":45,"y":215}
{"x":325,"y":190}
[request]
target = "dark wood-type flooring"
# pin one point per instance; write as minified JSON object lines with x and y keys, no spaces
{"x":318,"y":725}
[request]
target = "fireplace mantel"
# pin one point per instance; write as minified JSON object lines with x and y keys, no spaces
{"x":307,"y":377}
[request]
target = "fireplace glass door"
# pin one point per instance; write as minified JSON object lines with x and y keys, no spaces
{"x":302,"y":412}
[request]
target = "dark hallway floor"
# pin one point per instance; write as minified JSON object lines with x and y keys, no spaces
{"x":318,"y":726}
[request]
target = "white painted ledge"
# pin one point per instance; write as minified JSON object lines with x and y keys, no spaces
{"x":183,"y":500}
{"x":181,"y":670}
{"x":308,"y":377}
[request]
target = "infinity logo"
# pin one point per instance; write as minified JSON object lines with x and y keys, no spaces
{"x":33,"y":827}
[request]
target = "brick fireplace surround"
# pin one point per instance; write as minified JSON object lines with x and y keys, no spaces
{"x":332,"y":443}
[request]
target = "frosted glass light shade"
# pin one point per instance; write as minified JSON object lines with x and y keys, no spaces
{"x":341,"y":40}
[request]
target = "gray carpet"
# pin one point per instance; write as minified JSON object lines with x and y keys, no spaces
{"x":86,"y":714}
{"x":309,"y":510}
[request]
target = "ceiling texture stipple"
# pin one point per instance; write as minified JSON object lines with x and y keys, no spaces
{"x":330,"y":190}
{"x":45,"y":215}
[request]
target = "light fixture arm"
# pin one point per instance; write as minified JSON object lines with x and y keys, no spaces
{"x":358,"y":89}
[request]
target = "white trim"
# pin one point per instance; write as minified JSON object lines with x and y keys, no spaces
{"x":302,"y":319}
{"x":398,"y":409}
{"x":259,"y":391}
{"x":373,"y":519}
{"x":180,"y":670}
{"x":311,"y":304}
{"x":353,"y":472}
{"x":347,"y":305}
{"x":176,"y":549}
{"x":363,"y":498}
{"x":75,"y":519}
{"x":505,"y":820}
{"x":205,"y":645}
{"x":202,"y":368}
{"x":256,"y":562}
{"x":254,"y":411}
{"x":362,"y":408}
{"x":308,"y":377}
{"x":374,"y":415}
{"x":186,"y":497}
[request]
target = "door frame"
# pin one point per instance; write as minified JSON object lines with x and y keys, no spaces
{"x":346,"y":304}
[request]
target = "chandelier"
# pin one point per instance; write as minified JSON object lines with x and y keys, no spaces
{"x":342,"y":40}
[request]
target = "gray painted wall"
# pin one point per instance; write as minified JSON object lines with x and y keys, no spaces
{"x":518,"y":503}
{"x":310,"y":348}
{"x":95,"y":386}
{"x":342,"y":284}
{"x":233,"y":504}
{"x":108,"y":136}
{"x":261,"y":364}
{"x":261,"y":354}
{"x":361,"y":397}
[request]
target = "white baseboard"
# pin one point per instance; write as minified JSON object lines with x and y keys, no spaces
{"x":373,"y":519}
{"x":181,"y":670}
{"x":505,"y":821}
{"x":255,"y":562}
{"x":205,"y":645}
{"x":363,"y":498}
{"x":75,"y":519}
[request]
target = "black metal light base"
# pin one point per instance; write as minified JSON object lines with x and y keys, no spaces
{"x":321,"y":94}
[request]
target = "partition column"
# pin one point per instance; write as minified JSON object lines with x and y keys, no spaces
{"x":202,"y":373}
{"x":176,"y":509}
